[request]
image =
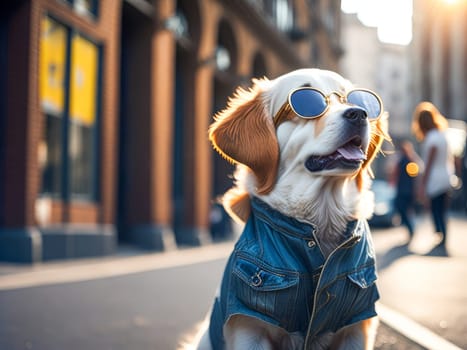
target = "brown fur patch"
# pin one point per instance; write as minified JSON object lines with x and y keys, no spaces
{"x":237,"y":204}
{"x":379,"y":133}
{"x":244,"y":133}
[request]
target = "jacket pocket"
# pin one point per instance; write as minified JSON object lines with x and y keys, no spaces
{"x":363,"y":294}
{"x":266,"y":290}
{"x":347,"y":300}
{"x":364,"y":277}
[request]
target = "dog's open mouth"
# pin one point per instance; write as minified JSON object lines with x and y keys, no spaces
{"x":348,"y":156}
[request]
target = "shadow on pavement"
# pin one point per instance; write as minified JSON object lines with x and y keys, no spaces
{"x":392,"y":255}
{"x":399,"y":251}
{"x":438,"y":251}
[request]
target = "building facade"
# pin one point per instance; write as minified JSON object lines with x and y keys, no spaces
{"x":105,"y":107}
{"x":385,"y":69}
{"x":440,"y":55}
{"x":439,"y":66}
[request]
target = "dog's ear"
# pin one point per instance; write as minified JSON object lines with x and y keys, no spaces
{"x":378,"y":133}
{"x":244,"y":133}
{"x":237,"y":203}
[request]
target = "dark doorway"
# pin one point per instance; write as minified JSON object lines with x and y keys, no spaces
{"x":3,"y":100}
{"x":134,"y":126}
{"x":225,"y":82}
{"x":184,"y":148}
{"x":222,"y":180}
{"x":184,"y":162}
{"x":259,"y":66}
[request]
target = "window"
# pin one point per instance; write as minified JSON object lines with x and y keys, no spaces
{"x":281,"y":14}
{"x":284,"y":17}
{"x":85,"y":7}
{"x":68,"y":82}
{"x":52,"y":94}
{"x":82,"y":116}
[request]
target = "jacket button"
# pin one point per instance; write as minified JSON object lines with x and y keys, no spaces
{"x":256,"y":280}
{"x":311,"y":243}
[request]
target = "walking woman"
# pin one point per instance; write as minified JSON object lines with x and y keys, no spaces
{"x":429,"y":127}
{"x":404,"y":176}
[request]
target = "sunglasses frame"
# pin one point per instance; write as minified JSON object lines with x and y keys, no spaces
{"x":342,"y":98}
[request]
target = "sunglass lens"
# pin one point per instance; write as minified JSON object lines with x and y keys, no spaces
{"x":367,"y":100}
{"x":307,"y":103}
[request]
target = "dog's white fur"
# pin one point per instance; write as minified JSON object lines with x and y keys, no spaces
{"x":271,"y":166}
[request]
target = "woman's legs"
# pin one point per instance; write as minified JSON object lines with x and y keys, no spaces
{"x":403,"y":205}
{"x":439,"y":214}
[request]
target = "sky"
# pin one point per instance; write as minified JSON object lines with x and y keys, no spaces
{"x":392,"y":18}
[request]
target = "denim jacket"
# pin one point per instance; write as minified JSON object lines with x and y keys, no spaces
{"x":278,"y":274}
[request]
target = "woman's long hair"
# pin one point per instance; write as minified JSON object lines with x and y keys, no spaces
{"x":426,"y":117}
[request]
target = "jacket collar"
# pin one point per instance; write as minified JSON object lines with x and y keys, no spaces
{"x":289,"y":225}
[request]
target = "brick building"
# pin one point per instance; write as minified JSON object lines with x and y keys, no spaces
{"x":105,"y":106}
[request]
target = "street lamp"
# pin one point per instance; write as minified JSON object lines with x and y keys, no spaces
{"x":222,"y":58}
{"x":177,"y":24}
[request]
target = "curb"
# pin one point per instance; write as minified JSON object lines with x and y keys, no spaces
{"x":56,"y":273}
{"x":413,"y":330}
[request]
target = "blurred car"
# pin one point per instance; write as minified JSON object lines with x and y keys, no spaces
{"x":385,"y":214}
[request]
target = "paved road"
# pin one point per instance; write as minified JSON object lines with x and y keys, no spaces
{"x":150,"y":301}
{"x":147,"y":310}
{"x":425,"y":282}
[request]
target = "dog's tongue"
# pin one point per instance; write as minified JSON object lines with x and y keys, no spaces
{"x":346,"y":156}
{"x":351,"y":152}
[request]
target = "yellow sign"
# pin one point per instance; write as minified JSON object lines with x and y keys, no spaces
{"x":52,"y":66}
{"x":83,"y":89}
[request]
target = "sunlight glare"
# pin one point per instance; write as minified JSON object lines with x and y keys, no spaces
{"x":393,"y":18}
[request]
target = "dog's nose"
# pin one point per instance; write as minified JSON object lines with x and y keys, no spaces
{"x":355,"y":115}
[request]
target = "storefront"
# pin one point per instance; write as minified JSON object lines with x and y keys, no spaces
{"x":105,"y":111}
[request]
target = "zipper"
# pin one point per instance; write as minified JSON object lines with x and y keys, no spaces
{"x":343,"y":244}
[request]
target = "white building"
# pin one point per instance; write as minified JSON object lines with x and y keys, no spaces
{"x":381,"y":67}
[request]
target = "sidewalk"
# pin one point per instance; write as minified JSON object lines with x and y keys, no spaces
{"x":24,"y":276}
{"x":423,"y":281}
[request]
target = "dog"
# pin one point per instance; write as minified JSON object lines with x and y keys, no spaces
{"x":302,"y":273}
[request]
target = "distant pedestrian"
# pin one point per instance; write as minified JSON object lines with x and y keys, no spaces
{"x":429,"y":127}
{"x":404,"y":176}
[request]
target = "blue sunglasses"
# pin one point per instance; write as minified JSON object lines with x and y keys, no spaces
{"x":310,"y":103}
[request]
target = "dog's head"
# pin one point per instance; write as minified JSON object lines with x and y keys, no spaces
{"x":290,"y":149}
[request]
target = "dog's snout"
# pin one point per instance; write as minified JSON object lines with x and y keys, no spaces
{"x":356,"y":116}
